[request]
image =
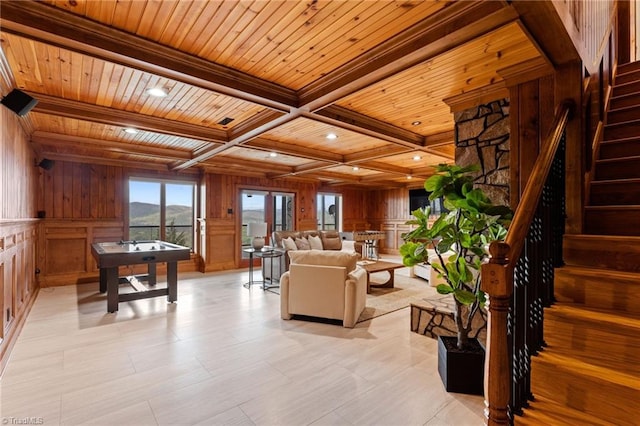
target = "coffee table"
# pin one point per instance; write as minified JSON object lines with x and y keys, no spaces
{"x":380,"y":266}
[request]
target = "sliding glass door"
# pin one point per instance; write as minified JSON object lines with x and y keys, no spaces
{"x":273,"y":208}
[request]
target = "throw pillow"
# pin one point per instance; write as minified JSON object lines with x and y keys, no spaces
{"x":289,"y":244}
{"x":325,"y":257}
{"x":315,"y":242}
{"x":302,"y":244}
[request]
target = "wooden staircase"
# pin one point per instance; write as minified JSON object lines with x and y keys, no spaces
{"x":589,"y":372}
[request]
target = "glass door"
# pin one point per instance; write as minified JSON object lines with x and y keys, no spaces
{"x":282,"y":208}
{"x":254,"y":210}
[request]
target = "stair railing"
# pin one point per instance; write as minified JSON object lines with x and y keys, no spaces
{"x":518,"y":279}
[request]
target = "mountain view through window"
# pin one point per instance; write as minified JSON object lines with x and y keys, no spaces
{"x":161,"y":211}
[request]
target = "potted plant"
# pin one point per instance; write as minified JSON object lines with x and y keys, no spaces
{"x":458,"y":238}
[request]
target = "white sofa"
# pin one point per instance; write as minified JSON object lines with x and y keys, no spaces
{"x":428,"y":273}
{"x":324,"y":284}
{"x":329,"y":240}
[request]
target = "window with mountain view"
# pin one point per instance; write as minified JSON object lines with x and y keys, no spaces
{"x":329,"y":212}
{"x":161,"y":210}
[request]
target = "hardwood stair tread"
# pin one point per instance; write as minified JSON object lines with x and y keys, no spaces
{"x":618,"y":159}
{"x":594,"y":372}
{"x":618,"y":252}
{"x":544,"y":411}
{"x":585,"y":314}
{"x":616,"y":181}
{"x":629,"y":207}
{"x":585,"y":270}
{"x":628,"y":67}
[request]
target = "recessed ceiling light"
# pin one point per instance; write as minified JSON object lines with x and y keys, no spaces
{"x":273,"y":154}
{"x":130,"y":130}
{"x":409,"y":177}
{"x":416,"y":123}
{"x":417,"y":158}
{"x":332,"y":136}
{"x":157,"y":91}
{"x":356,"y":168}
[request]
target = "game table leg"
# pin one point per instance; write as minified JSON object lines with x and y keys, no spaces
{"x":113,"y":283}
{"x":103,"y":280}
{"x":172,"y":281}
{"x":151,"y":280}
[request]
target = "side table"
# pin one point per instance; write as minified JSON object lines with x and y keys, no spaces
{"x":265,"y":252}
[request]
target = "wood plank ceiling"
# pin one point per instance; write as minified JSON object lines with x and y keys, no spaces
{"x":255,"y":87}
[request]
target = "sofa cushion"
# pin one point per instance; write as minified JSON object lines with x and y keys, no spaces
{"x":315,"y":242}
{"x":323,"y":257}
{"x":331,"y":240}
{"x":278,"y":236}
{"x":289,"y":244}
{"x":302,"y":244}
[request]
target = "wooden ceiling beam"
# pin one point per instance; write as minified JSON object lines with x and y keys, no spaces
{"x":53,"y":25}
{"x":350,"y":120}
{"x":450,"y":27}
{"x":97,"y":159}
{"x":100,"y":145}
{"x":269,"y":145}
{"x":114,"y":117}
{"x":375,"y":153}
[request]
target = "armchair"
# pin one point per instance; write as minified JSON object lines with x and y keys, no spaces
{"x":325,"y":284}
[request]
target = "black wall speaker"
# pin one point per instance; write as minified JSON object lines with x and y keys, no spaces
{"x":46,"y":164}
{"x":19,"y":102}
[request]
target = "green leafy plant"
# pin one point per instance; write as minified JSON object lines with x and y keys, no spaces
{"x":175,"y":237}
{"x":458,"y":237}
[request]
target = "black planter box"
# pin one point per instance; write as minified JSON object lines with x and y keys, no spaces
{"x":461,"y":371}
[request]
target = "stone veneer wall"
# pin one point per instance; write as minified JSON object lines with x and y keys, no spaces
{"x":482,"y":137}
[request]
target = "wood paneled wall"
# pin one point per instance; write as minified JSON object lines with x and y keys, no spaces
{"x":82,"y":191}
{"x":387,"y":211}
{"x":18,"y":186}
{"x":18,"y":286}
{"x":588,"y":23}
{"x":18,"y":170}
{"x":223,"y":220}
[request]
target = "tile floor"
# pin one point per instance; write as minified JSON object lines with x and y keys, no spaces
{"x":220,"y":355}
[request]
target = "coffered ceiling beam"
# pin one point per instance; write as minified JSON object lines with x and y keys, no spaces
{"x":238,"y":140}
{"x":114,"y":117}
{"x":375,"y":153}
{"x":452,"y":26}
{"x":346,"y":119}
{"x":99,"y":145}
{"x":53,"y":25}
{"x":269,"y":145}
{"x":100,"y":159}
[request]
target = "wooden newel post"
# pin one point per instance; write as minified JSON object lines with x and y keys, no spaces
{"x":497,"y":282}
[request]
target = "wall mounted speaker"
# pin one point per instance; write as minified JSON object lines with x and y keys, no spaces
{"x":46,"y":164}
{"x":19,"y":102}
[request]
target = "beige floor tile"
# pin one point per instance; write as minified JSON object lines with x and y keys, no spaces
{"x":220,"y":355}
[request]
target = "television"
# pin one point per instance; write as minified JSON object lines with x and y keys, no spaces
{"x":419,"y":198}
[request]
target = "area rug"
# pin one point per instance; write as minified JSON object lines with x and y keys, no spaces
{"x":407,"y":290}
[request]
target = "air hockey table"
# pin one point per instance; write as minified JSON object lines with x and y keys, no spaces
{"x":111,"y":255}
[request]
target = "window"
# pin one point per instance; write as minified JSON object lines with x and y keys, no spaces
{"x":274,"y":208}
{"x":161,"y":210}
{"x":329,"y":212}
{"x":282,"y":212}
{"x":253,"y":210}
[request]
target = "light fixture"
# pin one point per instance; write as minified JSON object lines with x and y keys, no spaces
{"x":416,"y":123}
{"x":417,"y":158}
{"x":258,"y":231}
{"x":130,"y":130}
{"x":158,"y":92}
{"x":356,"y":168}
{"x":332,"y":136}
{"x":273,"y":154}
{"x":409,"y":177}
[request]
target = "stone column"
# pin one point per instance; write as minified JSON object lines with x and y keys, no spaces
{"x":482,"y":137}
